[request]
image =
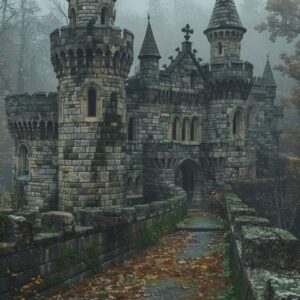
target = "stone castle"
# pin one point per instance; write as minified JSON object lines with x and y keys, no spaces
{"x":110,"y":140}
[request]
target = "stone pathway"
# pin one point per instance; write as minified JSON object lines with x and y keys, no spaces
{"x":187,"y":265}
{"x":204,"y":230}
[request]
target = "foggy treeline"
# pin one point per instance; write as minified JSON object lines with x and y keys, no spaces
{"x":25,"y":26}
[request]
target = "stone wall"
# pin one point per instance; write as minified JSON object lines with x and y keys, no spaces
{"x":265,"y":259}
{"x":101,"y":238}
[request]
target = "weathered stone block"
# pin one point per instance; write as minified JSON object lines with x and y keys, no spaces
{"x":235,"y":211}
{"x":61,"y":221}
{"x":283,"y":288}
{"x":89,"y":217}
{"x":20,"y":230}
{"x":239,"y":222}
{"x":269,"y":248}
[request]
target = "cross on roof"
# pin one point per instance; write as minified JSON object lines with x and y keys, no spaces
{"x":188,"y":31}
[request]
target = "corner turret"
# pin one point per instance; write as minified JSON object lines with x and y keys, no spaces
{"x":149,"y":59}
{"x":268,"y":77}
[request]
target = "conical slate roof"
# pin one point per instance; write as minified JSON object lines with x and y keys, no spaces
{"x":268,"y":77}
{"x":149,"y":47}
{"x":225,"y":15}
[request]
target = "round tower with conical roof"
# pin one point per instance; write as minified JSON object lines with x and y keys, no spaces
{"x":92,"y":59}
{"x":228,"y":83}
{"x":225,"y":32}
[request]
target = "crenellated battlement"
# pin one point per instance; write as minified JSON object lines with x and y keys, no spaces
{"x":229,"y":79}
{"x":85,"y":48}
{"x":32,"y":116}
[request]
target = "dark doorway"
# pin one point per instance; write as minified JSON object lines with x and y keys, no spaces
{"x":188,"y":177}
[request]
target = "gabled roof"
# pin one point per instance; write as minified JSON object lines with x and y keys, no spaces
{"x":149,"y":47}
{"x":268,"y":77}
{"x":186,"y":51}
{"x":225,"y":15}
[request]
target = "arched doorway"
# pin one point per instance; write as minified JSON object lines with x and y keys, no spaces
{"x":188,"y":177}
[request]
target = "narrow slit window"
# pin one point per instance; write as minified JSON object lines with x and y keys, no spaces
{"x":92,"y":103}
{"x":220,"y":49}
{"x":23,"y":165}
{"x":73,"y":17}
{"x":132,"y":129}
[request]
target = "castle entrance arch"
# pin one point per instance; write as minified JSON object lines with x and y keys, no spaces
{"x":188,"y":177}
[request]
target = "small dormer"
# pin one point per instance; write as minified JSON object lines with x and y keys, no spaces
{"x":96,"y":12}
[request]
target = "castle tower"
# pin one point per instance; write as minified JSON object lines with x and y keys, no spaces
{"x":149,"y":59}
{"x":92,"y":59}
{"x":225,"y":32}
{"x":268,"y":79}
{"x":228,"y":84}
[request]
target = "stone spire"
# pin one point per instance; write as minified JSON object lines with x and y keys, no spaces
{"x":149,"y":47}
{"x":268,"y":77}
{"x":225,"y":15}
{"x":225,"y":32}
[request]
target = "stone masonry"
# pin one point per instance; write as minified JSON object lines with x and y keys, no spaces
{"x":109,"y":140}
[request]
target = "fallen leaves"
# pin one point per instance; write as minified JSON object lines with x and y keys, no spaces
{"x":129,"y":279}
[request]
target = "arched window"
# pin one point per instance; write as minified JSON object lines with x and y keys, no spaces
{"x":80,"y":59}
{"x":23,"y":161}
{"x":73,"y":17}
{"x":185,"y":129}
{"x":104,"y":16}
{"x":195,"y":130}
{"x":92,"y":102}
{"x":71,"y":61}
{"x":238,"y":124}
{"x":49,"y":130}
{"x":176,"y":130}
{"x":130,"y":186}
{"x":89,"y":58}
{"x":43,"y":130}
{"x":132,"y":129}
{"x":251,"y":118}
{"x":220,"y":48}
{"x":107,"y":59}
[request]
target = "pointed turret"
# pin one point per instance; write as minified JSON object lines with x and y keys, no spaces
{"x":149,"y":60}
{"x":225,"y":15}
{"x":225,"y":32}
{"x":268,"y":76}
{"x":149,"y":47}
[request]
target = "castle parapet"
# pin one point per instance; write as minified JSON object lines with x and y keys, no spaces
{"x":32,"y":116}
{"x":229,"y":79}
{"x":83,"y":48}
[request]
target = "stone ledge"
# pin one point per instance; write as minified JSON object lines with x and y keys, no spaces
{"x":269,"y":248}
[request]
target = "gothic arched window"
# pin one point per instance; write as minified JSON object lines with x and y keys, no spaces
{"x":132,"y":129}
{"x":195,"y":130}
{"x":238,"y":125}
{"x":23,"y":161}
{"x":176,"y":129}
{"x":185,"y":129}
{"x":89,"y":58}
{"x":92,"y":102}
{"x":73,"y":17}
{"x":104,"y":16}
